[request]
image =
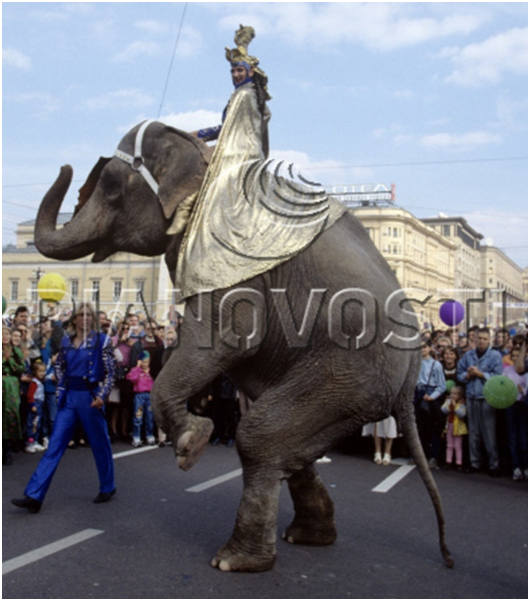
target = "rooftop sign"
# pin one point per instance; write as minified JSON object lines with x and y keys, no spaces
{"x":364,"y":192}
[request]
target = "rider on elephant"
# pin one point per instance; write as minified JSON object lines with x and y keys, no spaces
{"x":247,"y":76}
{"x":246,"y":220}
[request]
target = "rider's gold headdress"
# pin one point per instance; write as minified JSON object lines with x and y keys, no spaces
{"x":242,"y":38}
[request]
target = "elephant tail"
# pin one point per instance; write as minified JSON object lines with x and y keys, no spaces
{"x":407,"y":421}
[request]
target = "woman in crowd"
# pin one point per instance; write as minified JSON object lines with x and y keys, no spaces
{"x":16,"y":337}
{"x":449,"y":361}
{"x":13,"y":367}
{"x":385,"y":430}
{"x":121,"y":411}
{"x":442,"y":343}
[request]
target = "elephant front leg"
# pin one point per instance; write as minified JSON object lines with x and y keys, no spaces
{"x":192,"y":442}
{"x":252,"y":547}
{"x":314,"y":522}
{"x":189,"y":433}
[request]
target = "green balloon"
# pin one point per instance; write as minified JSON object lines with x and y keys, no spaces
{"x":449,"y":384}
{"x":500,"y":392}
{"x":4,"y":304}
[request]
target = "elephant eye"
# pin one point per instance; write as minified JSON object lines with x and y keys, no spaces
{"x":111,"y":187}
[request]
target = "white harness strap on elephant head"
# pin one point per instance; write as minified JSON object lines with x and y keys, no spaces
{"x":137,"y":161}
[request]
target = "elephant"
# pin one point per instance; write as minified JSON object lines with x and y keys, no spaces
{"x":323,"y":343}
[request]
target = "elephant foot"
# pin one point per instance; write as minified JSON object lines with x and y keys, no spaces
{"x":191,"y":444}
{"x":231,"y":560}
{"x":321,"y":533}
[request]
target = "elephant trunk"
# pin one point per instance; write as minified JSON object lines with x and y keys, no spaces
{"x":73,"y":240}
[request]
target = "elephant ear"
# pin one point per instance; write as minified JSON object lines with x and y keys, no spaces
{"x":182,"y":172}
{"x":85,"y":192}
{"x":172,"y":191}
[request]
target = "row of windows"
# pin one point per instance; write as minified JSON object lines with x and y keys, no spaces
{"x":395,"y":249}
{"x":74,"y":290}
{"x":393,"y":232}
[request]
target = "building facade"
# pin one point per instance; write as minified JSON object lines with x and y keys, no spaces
{"x":422,"y":259}
{"x":505,"y":289}
{"x":468,"y":281}
{"x":467,"y":241}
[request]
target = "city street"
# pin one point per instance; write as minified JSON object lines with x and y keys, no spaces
{"x":156,"y":537}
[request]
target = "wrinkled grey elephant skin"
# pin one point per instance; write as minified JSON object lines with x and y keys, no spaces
{"x":309,"y":389}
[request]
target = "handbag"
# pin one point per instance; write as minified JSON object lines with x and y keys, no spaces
{"x":420,"y":404}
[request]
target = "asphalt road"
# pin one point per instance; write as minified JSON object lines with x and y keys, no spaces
{"x":155,"y":539}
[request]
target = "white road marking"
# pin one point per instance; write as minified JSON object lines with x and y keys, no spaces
{"x":134,"y":451}
{"x":64,"y":543}
{"x":215,"y":481}
{"x":393,"y":479}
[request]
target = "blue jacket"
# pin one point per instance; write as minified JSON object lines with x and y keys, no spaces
{"x":100,"y":360}
{"x":490,"y":364}
{"x":432,"y":375}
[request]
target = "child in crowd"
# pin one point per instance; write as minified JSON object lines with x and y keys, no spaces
{"x":35,"y":397}
{"x":142,"y":381}
{"x":455,"y":409}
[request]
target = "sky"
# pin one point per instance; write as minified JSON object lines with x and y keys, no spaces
{"x":431,"y":97}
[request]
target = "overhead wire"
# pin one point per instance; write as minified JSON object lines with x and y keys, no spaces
{"x":337,"y":167}
{"x":172,"y":60}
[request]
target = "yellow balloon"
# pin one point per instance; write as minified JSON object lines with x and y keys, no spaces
{"x":51,"y":287}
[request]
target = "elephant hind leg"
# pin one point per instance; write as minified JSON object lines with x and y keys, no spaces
{"x":314,"y":520}
{"x":252,"y":546}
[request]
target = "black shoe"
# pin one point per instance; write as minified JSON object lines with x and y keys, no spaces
{"x":215,"y":442}
{"x":7,"y":458}
{"x":494,"y":473}
{"x":103,"y":497}
{"x":230,"y":442}
{"x":32,"y":505}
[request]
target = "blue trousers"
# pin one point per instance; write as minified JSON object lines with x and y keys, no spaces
{"x":142,"y":412}
{"x":517,"y":426}
{"x":76,"y":409}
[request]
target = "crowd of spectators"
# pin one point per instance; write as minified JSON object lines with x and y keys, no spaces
{"x":29,"y":350}
{"x":457,"y":429}
{"x":454,"y":419}
{"x":31,"y":346}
